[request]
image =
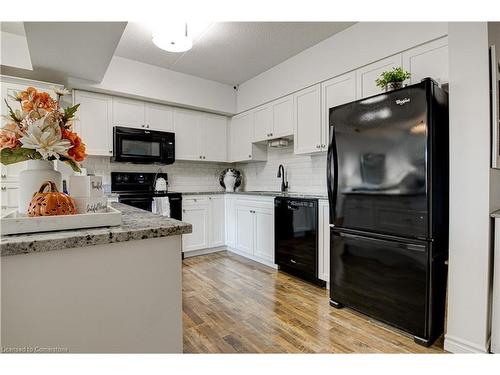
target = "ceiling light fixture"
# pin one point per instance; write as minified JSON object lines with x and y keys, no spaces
{"x":173,"y":38}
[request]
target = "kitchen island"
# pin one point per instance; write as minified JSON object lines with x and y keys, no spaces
{"x":102,"y":290}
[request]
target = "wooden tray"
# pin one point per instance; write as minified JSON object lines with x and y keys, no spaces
{"x":15,"y":223}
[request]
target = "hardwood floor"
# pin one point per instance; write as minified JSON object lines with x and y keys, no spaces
{"x":234,"y":305}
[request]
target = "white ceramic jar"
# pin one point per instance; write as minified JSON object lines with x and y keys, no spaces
{"x":229,"y":181}
{"x":30,"y":180}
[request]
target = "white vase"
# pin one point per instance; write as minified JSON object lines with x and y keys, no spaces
{"x":30,"y":180}
{"x":229,"y":181}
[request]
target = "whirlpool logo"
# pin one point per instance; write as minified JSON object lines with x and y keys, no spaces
{"x":403,"y":101}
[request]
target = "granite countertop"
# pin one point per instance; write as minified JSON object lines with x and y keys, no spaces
{"x":261,"y":193}
{"x":495,"y":214}
{"x":137,"y":224}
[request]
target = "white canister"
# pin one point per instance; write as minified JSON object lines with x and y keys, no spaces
{"x":90,"y":205}
{"x":229,"y":181}
{"x":85,"y":186}
{"x":30,"y":180}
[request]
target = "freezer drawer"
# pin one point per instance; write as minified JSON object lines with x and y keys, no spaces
{"x":384,"y":279}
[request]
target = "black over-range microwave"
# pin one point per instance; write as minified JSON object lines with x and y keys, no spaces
{"x":143,"y":146}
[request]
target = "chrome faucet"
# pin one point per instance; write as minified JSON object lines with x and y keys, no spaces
{"x":281,"y":174}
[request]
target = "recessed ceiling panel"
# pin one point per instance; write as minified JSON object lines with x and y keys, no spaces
{"x":230,"y":52}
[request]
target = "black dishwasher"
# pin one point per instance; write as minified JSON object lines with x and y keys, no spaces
{"x":296,"y":236}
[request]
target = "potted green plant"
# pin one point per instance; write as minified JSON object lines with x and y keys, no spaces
{"x":392,"y":79}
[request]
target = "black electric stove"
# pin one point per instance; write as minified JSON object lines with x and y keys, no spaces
{"x":137,"y":189}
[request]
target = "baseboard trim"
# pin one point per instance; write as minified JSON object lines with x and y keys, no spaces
{"x":251,"y":257}
{"x":457,"y":345}
{"x":194,"y":253}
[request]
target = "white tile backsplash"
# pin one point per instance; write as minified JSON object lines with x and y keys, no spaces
{"x":183,"y":176}
{"x":305,"y":173}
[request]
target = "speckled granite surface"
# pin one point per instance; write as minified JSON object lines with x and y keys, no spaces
{"x":261,"y":193}
{"x":136,"y":225}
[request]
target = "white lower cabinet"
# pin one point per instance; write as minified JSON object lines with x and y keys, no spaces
{"x":245,"y":229}
{"x":264,"y":233}
{"x":254,"y":229}
{"x":206,"y":214}
{"x":195,"y":212}
{"x":216,"y":225}
{"x":324,"y":240}
{"x":230,"y":206}
{"x":9,"y":194}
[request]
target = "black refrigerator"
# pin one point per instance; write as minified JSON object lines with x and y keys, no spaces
{"x":387,"y":172}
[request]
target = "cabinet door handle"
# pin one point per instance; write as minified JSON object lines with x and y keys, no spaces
{"x":184,"y":211}
{"x":323,"y":146}
{"x":203,"y":157}
{"x":200,"y":156}
{"x":4,"y":188}
{"x":4,"y":176}
{"x":249,"y":156}
{"x":271,"y":134}
{"x":110,"y":151}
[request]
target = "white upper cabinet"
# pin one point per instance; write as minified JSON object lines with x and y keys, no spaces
{"x":128,"y":112}
{"x":263,"y":122}
{"x":273,"y":120}
{"x":366,"y":76}
{"x":241,"y":133}
{"x":428,"y":60}
{"x":282,"y":117}
{"x":94,"y":122}
{"x":200,"y":136}
{"x":307,"y":120}
{"x":187,"y":128}
{"x":241,"y":137}
{"x":334,"y":92}
{"x":213,"y":141}
{"x":159,"y":117}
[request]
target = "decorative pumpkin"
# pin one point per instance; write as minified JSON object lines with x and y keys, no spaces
{"x":52,"y":202}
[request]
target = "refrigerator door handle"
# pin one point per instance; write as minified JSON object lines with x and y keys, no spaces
{"x":407,"y":246}
{"x":331,"y":173}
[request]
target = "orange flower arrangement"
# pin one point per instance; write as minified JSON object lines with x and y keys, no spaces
{"x":41,"y":130}
{"x":77,"y":150}
{"x":9,"y":136}
{"x":31,"y":100}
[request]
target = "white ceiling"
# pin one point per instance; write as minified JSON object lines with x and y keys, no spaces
{"x":16,"y":28}
{"x":229,"y":52}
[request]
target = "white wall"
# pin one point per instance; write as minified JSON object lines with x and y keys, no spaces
{"x":305,"y":174}
{"x":143,"y":81}
{"x":358,"y":45}
{"x":469,"y":260}
{"x":183,"y":176}
{"x":14,"y":51}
